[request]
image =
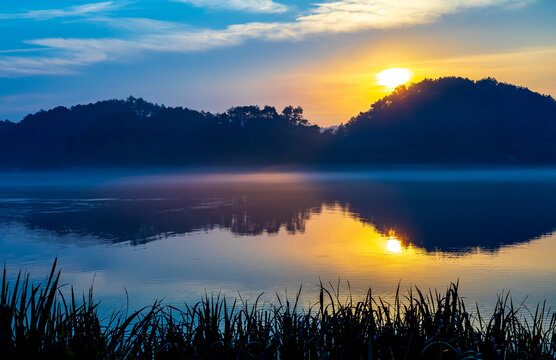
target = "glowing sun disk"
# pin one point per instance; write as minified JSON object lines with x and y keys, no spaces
{"x":393,"y":77}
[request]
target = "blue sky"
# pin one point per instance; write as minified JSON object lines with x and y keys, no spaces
{"x":213,"y":54}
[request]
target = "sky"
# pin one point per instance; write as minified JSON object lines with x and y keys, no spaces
{"x":213,"y":54}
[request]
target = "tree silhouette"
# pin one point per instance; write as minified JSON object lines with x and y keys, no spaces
{"x":447,"y":120}
{"x":453,"y":120}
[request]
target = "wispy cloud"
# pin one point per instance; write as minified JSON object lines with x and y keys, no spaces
{"x":330,"y":17}
{"x":11,"y":51}
{"x":72,"y":11}
{"x":136,"y":25}
{"x":355,"y":15}
{"x":255,"y":6}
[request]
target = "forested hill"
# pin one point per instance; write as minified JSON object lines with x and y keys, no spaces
{"x":134,"y":132}
{"x":454,"y":120}
{"x":448,"y":120}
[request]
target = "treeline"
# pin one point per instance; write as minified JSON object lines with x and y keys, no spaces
{"x":135,"y":132}
{"x":447,"y":120}
{"x":454,"y":120}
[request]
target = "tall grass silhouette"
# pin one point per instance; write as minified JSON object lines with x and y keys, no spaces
{"x":38,"y":321}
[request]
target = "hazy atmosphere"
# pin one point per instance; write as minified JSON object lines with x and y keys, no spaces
{"x":278,"y":179}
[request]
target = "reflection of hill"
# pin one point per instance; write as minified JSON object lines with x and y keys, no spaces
{"x":451,"y":216}
{"x":444,"y":216}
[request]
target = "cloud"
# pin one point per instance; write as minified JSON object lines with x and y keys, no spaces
{"x":356,"y":15}
{"x":255,"y":6}
{"x":136,"y":25}
{"x":72,"y":11}
{"x":330,"y":17}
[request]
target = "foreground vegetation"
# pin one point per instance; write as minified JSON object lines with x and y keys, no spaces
{"x":37,"y":321}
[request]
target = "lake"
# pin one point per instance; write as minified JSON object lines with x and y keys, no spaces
{"x":177,"y":236}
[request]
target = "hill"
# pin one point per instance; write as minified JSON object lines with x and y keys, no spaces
{"x":447,"y":120}
{"x":454,"y":120}
{"x":134,"y":132}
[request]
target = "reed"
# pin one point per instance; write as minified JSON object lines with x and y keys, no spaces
{"x":37,"y":321}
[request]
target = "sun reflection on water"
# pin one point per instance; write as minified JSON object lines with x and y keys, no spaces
{"x":334,"y":243}
{"x":394,"y":245}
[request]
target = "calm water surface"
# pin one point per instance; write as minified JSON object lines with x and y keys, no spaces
{"x":178,"y":236}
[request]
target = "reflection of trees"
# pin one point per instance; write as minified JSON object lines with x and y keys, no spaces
{"x":142,"y":216}
{"x":434,"y":216}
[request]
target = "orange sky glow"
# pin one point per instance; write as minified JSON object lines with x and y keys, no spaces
{"x":335,"y":89}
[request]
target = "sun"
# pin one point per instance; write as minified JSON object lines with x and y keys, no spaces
{"x":393,"y":77}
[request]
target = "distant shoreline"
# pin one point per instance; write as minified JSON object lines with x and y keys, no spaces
{"x":449,"y":120}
